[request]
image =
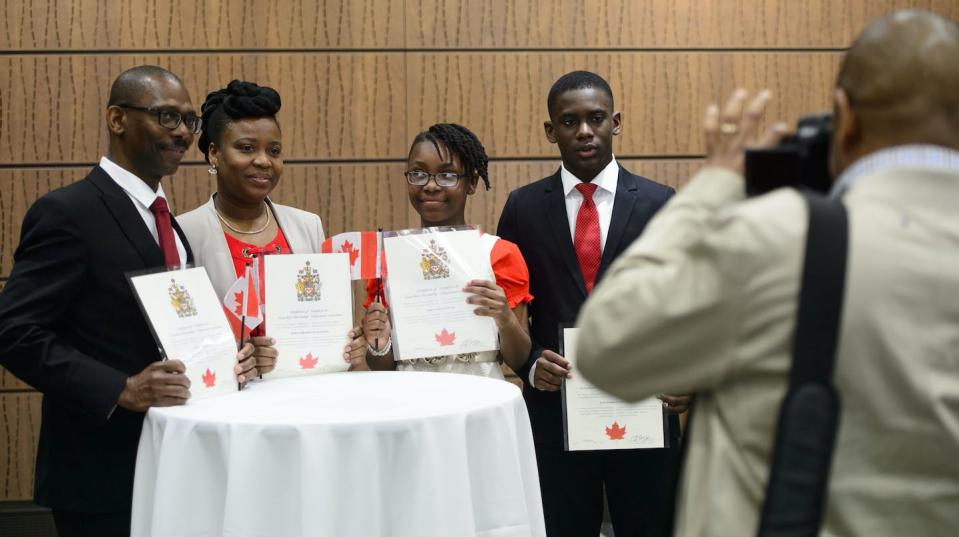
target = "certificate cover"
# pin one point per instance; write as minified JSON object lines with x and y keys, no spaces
{"x":595,"y":420}
{"x":428,"y":269}
{"x":187,"y":321}
{"x":309,"y":311}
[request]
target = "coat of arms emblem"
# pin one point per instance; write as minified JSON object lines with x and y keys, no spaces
{"x":308,"y":284}
{"x":181,"y":300}
{"x":435,"y":262}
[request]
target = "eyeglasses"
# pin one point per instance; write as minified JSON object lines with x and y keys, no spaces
{"x":443,"y":179}
{"x":170,"y":119}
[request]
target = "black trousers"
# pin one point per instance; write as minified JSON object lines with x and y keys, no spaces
{"x":74,"y":524}
{"x":640,"y":491}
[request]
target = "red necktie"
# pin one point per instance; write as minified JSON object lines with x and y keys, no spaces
{"x":586,"y":241}
{"x":171,"y":258}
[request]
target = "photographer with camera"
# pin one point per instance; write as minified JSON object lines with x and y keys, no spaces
{"x":706,"y":301}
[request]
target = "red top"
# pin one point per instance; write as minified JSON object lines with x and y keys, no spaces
{"x":509,"y":269}
{"x":241,"y":252}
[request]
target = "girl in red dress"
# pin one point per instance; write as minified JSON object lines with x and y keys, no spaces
{"x":445,"y":164}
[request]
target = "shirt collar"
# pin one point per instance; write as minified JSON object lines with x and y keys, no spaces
{"x":605,"y":180}
{"x":135,"y":187}
{"x":903,"y":156}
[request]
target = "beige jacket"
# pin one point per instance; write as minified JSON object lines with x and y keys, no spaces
{"x":303,"y":231}
{"x":705,"y":302}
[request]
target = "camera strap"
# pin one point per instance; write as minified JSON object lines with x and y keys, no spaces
{"x":809,"y":415}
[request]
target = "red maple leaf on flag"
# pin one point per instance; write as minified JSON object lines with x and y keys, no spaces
{"x":308,"y":361}
{"x":615,"y":432}
{"x":445,"y":338}
{"x":209,"y":378}
{"x":238,"y":298}
{"x":347,"y":248}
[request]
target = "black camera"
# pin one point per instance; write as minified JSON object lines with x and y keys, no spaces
{"x":800,"y":161}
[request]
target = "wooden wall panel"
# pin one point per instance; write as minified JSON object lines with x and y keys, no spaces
{"x":210,"y":24}
{"x":19,"y":429}
{"x":335,"y":106}
{"x":631,"y":24}
{"x":8,"y":382}
{"x":502,"y":96}
{"x":354,"y":106}
{"x":19,"y":188}
{"x":439,"y":24}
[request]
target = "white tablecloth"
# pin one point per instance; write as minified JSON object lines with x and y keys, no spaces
{"x":344,"y":455}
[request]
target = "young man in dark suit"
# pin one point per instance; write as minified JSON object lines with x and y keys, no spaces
{"x":569,"y":227}
{"x":69,"y":323}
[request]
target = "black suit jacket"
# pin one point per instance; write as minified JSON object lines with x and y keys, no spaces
{"x":70,"y":327}
{"x":535,"y":219}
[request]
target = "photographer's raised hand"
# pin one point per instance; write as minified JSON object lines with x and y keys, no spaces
{"x":729,"y":133}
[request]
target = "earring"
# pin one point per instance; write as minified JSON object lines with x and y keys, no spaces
{"x":212,"y":170}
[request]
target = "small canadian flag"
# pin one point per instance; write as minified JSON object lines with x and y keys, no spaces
{"x":243,"y":296}
{"x":364,"y":249}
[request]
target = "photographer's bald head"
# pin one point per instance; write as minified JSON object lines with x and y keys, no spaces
{"x":898,"y":85}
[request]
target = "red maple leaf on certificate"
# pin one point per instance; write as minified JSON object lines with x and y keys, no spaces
{"x":615,"y":432}
{"x":445,"y":338}
{"x":209,"y":378}
{"x":308,"y":361}
{"x":347,"y":248}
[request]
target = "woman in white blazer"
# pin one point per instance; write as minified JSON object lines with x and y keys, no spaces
{"x":242,"y":142}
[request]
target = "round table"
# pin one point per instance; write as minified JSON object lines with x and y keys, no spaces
{"x":347,"y":454}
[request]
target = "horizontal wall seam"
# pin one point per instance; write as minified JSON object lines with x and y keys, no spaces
{"x":180,"y":52}
{"x":306,"y":162}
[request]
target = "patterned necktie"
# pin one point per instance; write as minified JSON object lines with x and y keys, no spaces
{"x":586,"y":241}
{"x":171,"y":258}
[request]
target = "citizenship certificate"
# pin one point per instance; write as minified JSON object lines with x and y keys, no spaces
{"x":593,"y":419}
{"x":428,"y":270}
{"x":187,"y":321}
{"x":309,"y":311}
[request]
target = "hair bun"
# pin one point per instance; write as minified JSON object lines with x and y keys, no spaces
{"x":246,"y":99}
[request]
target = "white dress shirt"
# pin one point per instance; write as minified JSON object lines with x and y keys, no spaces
{"x":142,"y":197}
{"x":603,"y":197}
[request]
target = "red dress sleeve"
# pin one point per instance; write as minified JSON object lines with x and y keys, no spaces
{"x":511,"y":273}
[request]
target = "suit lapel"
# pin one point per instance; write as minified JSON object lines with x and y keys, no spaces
{"x":555,"y":208}
{"x":622,"y":209}
{"x":128,"y":219}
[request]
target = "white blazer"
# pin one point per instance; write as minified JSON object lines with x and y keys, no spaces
{"x":303,"y":231}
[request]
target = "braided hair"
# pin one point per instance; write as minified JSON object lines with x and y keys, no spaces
{"x":239,"y":100}
{"x":459,"y":141}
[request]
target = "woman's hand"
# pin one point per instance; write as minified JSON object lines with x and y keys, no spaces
{"x":355,"y":351}
{"x":245,"y":368}
{"x":376,"y":326}
{"x":491,"y":300}
{"x":265,"y":353}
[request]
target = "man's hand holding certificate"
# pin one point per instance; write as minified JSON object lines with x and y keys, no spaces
{"x":428,"y":272}
{"x":593,"y":419}
{"x":188,"y":323}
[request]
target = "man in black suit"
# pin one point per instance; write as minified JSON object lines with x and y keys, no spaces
{"x":569,"y":227}
{"x":69,"y":323}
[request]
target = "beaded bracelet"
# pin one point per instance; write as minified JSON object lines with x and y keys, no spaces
{"x":384,"y":352}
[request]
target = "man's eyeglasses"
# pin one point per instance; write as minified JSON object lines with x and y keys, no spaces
{"x":170,"y":119}
{"x":443,"y":179}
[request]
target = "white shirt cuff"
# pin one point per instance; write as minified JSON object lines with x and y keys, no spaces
{"x":532,"y":371}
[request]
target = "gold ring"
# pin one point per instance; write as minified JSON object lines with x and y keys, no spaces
{"x":728,"y":128}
